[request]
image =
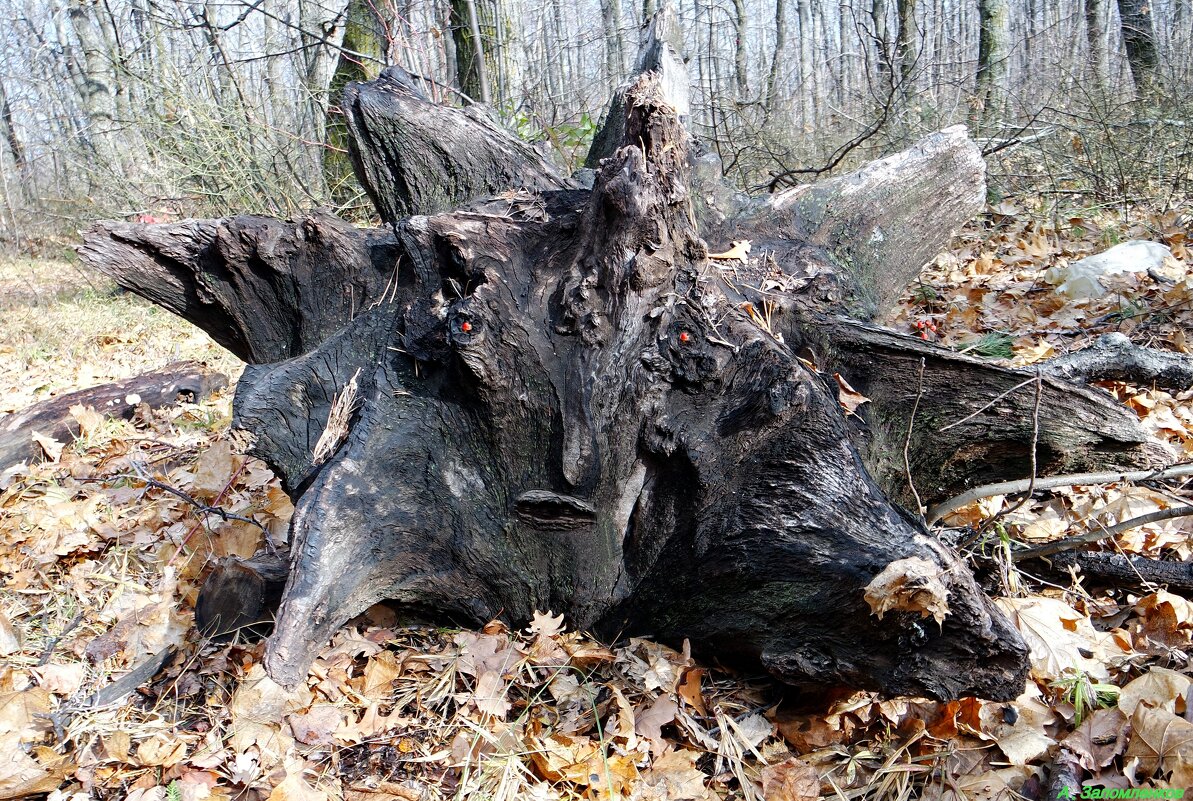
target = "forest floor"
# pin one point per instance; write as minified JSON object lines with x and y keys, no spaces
{"x":101,"y":573}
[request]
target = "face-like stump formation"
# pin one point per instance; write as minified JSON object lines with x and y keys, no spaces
{"x":556,"y":407}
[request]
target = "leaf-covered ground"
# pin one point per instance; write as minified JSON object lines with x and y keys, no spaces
{"x":101,"y":571}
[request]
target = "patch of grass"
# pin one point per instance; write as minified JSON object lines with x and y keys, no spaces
{"x":992,"y":345}
{"x":64,"y":328}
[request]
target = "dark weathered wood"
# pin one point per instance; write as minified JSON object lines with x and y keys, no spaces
{"x":973,"y":420}
{"x":561,"y":400}
{"x":1118,"y":570}
{"x":265,"y":289}
{"x":560,"y":407}
{"x":179,"y":381}
{"x":239,"y":596}
{"x":1113,"y":357}
{"x":413,"y":156}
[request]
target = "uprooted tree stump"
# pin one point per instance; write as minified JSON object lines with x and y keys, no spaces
{"x":559,"y":399}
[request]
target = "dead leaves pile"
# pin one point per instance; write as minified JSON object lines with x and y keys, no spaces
{"x":995,"y":290}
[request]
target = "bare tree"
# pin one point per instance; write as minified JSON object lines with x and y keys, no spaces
{"x":1095,"y":35}
{"x":1139,"y":38}
{"x":989,"y":93}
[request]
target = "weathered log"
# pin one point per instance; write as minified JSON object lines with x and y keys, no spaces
{"x":417,"y":157}
{"x":1113,"y":357}
{"x":266,"y":290}
{"x":974,"y":422}
{"x":240,"y":596}
{"x":1119,"y":570}
{"x":560,"y":409}
{"x":561,"y":401}
{"x":179,"y":381}
{"x":871,"y":231}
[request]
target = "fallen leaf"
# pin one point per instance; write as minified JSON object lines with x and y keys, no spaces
{"x":1162,"y":742}
{"x":545,"y":625}
{"x":379,"y":675}
{"x":649,"y":721}
{"x":214,"y":470}
{"x":689,"y":689}
{"x":671,"y":777}
{"x":10,"y":636}
{"x":49,"y":445}
{"x":490,"y":694}
{"x":1159,"y":687}
{"x":316,"y":726}
{"x":790,"y":780}
{"x":23,"y":776}
{"x":1057,"y":635}
{"x":849,"y":398}
{"x":89,"y":420}
{"x":61,"y":679}
{"x":909,"y":585}
{"x":295,"y":788}
{"x":161,"y":750}
{"x":1099,"y":739}
{"x":738,"y":251}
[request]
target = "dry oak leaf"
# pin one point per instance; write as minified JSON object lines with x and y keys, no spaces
{"x":650,"y":720}
{"x":318,"y":725}
{"x":256,"y":710}
{"x":214,"y":470}
{"x":23,"y":776}
{"x":295,"y":788}
{"x":1166,"y":618}
{"x":672,"y":777}
{"x":161,"y":750}
{"x":790,"y":780}
{"x":1099,"y":739}
{"x":24,"y":712}
{"x":1027,"y":738}
{"x":909,"y":585}
{"x":1162,"y":742}
{"x":545,"y":625}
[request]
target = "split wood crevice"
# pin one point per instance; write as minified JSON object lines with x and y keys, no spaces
{"x":561,"y":402}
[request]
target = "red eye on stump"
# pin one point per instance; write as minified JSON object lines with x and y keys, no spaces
{"x":685,"y":337}
{"x":465,"y":326}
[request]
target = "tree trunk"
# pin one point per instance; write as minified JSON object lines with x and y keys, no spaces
{"x":614,"y":44}
{"x":1139,"y":37}
{"x":1095,"y":36}
{"x":776,"y":62}
{"x":881,"y":39}
{"x":993,"y":50}
{"x":362,"y":54}
{"x":741,"y":85}
{"x":566,"y":400}
{"x":468,"y":35}
{"x":907,"y":52}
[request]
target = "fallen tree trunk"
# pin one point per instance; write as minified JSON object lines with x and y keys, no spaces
{"x":567,"y":400}
{"x":180,"y":381}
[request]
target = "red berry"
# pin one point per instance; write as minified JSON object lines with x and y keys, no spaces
{"x":923,"y":335}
